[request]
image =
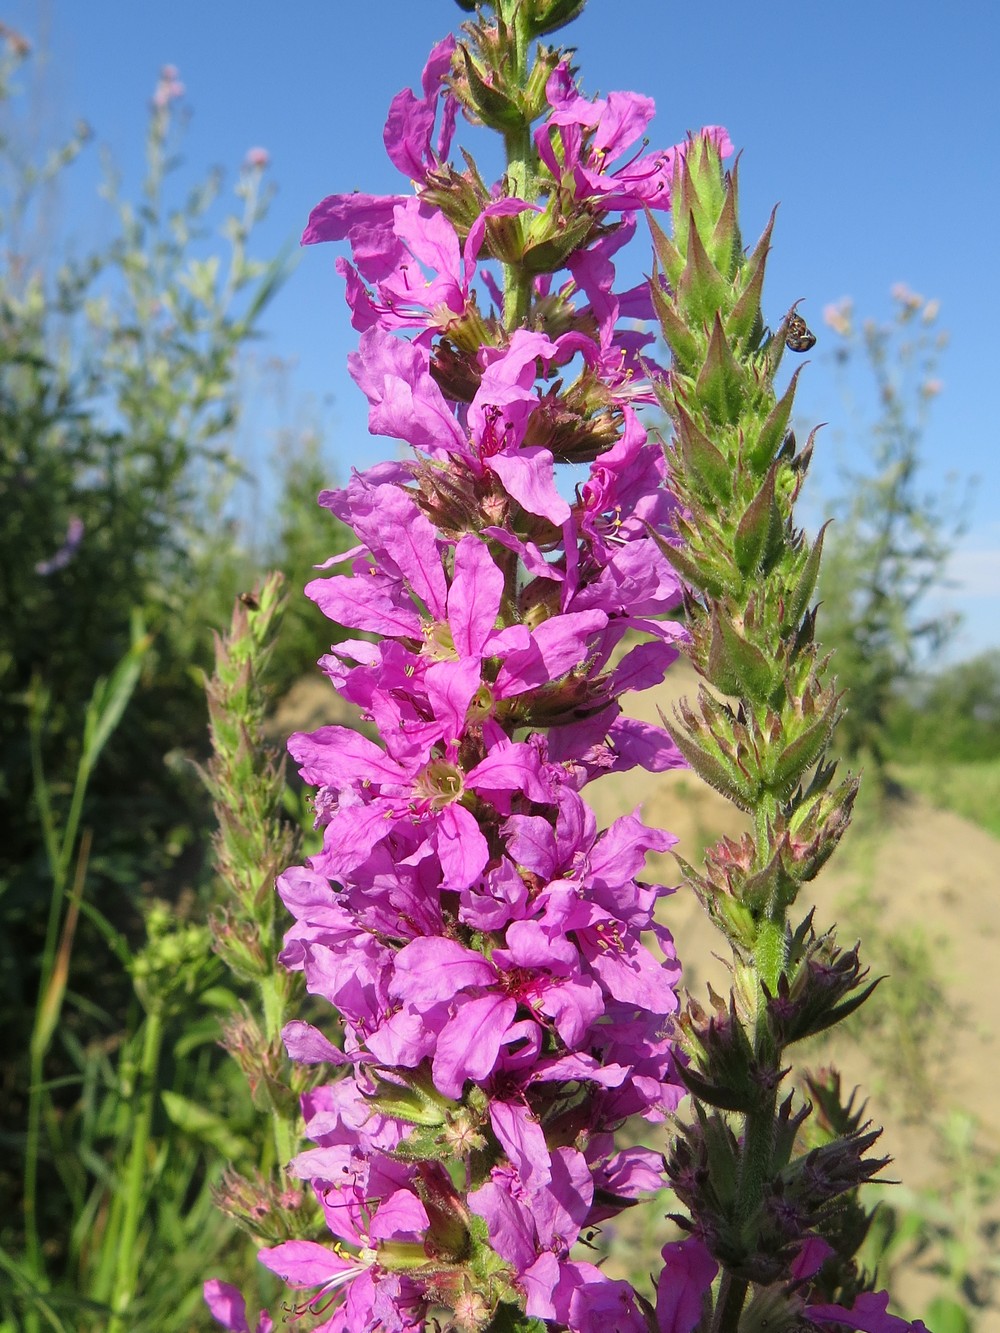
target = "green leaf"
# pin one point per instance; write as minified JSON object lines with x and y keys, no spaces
{"x":554,"y":15}
{"x":722,"y":384}
{"x":726,"y":778}
{"x":788,"y":767}
{"x":667,"y":254}
{"x":702,"y":290}
{"x":945,"y":1315}
{"x":689,"y":567}
{"x":201,"y":278}
{"x":739,"y":661}
{"x":204,"y":1032}
{"x":709,"y":468}
{"x":205,"y":1125}
{"x":798,"y":600}
{"x":745,"y":322}
{"x":754,"y":527}
{"x":725,"y":246}
{"x":110,"y":697}
{"x":760,"y":453}
{"x":684,"y":345}
{"x":493,"y":105}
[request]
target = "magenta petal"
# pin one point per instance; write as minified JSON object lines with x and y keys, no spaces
{"x":512,"y":1232}
{"x":350,"y":838}
{"x":303,"y":1263}
{"x":405,"y":401}
{"x":625,"y":118}
{"x":406,"y":1039}
{"x":332,"y":756}
{"x":811,"y":1257}
{"x":432,"y":240}
{"x":643,"y":667}
{"x":621,"y":852}
{"x":410,"y":124}
{"x":407,"y":133}
{"x":474,"y":598}
{"x":868,"y":1314}
{"x":530,"y":945}
{"x":307,"y":1044}
{"x":684,"y":1281}
{"x":634,"y":1172}
{"x":643,"y":745}
{"x":433,"y":968}
{"x":364,"y":605}
{"x":539,"y":1282}
{"x":226,"y":1305}
{"x":337,"y":215}
{"x":529,"y":478}
{"x":510,"y":768}
{"x":411,"y":542}
{"x":579,"y":1067}
{"x":631,"y":974}
{"x":530,"y":841}
{"x":451,"y":687}
{"x":468,"y":1046}
{"x":399,"y":1217}
{"x":461,"y":847}
{"x":523,"y":1141}
{"x":557,"y":645}
{"x":599,"y":1303}
{"x":574,"y":1006}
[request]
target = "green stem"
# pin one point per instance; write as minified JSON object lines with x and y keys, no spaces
{"x":59,"y":855}
{"x":729,"y":1306}
{"x":769,"y":951}
{"x":273,"y":996}
{"x":32,"y":1248}
{"x":520,"y":158}
{"x":128,"y":1259}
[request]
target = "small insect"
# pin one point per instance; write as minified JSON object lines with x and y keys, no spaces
{"x":799,"y":337}
{"x":249,"y":601}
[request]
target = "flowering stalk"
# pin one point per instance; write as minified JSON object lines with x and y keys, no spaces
{"x":487,"y":947}
{"x":760,"y":736}
{"x":253,"y":842}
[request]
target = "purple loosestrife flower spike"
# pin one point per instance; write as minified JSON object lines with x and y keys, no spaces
{"x":501,"y":982}
{"x":502,"y":995}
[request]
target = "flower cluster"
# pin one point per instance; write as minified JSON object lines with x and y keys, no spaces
{"x":502,"y":983}
{"x":505,"y":992}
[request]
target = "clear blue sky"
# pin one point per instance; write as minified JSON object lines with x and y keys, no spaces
{"x":873,"y":123}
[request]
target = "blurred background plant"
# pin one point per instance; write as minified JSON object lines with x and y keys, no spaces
{"x":887,"y":550}
{"x":121,"y":391}
{"x":921,"y":726}
{"x":949,"y":1234}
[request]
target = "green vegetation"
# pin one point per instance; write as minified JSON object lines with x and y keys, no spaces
{"x":886,"y":550}
{"x":120,"y":403}
{"x":971,"y":790}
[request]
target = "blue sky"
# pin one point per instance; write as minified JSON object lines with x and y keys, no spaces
{"x":872,"y":123}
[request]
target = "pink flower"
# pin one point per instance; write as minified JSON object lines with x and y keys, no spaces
{"x":409,"y":128}
{"x":361,"y":1297}
{"x":228,"y":1308}
{"x":62,"y":557}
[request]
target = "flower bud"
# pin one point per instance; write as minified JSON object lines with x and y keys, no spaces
{"x":237,"y":942}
